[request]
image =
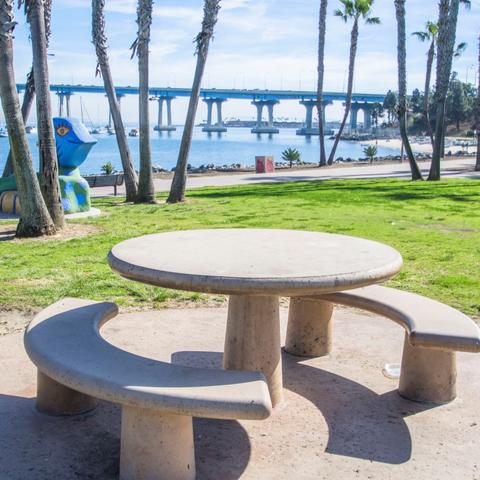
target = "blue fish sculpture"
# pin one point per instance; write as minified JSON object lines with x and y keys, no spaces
{"x":73,"y":145}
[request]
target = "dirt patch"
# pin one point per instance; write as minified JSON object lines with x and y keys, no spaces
{"x":71,"y":230}
{"x":15,"y":321}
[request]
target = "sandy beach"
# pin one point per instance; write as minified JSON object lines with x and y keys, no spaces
{"x":397,"y":143}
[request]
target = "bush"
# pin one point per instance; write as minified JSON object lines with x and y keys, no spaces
{"x":107,"y":168}
{"x":291,"y":155}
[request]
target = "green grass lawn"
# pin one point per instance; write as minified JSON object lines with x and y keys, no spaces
{"x":435,"y":226}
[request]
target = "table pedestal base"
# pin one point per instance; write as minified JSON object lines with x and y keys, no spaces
{"x":309,"y":331}
{"x":252,"y":340}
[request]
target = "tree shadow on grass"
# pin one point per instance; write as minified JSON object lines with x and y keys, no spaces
{"x":371,"y":192}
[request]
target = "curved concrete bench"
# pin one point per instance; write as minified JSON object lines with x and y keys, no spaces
{"x":434,"y":332}
{"x":76,"y":366}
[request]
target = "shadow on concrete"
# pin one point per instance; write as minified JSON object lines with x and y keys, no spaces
{"x":41,"y":447}
{"x":7,"y":235}
{"x":361,"y":423}
{"x":35,"y":446}
{"x":219,"y":444}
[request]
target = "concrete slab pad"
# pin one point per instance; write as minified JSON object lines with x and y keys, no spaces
{"x":342,"y":418}
{"x":93,"y":212}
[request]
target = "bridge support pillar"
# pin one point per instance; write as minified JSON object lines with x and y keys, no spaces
{"x":210,"y":126}
{"x":260,"y":127}
{"x":354,"y":116}
{"x":309,"y":128}
{"x":64,"y":100}
{"x":367,"y":118}
{"x":160,"y":126}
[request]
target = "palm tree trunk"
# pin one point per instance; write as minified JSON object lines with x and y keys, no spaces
{"x":27,"y":103}
{"x":146,"y":190}
{"x":322,"y":28}
{"x":100,"y":41}
{"x":402,"y":87}
{"x":177,"y":190}
{"x":348,"y":101}
{"x":426,"y":97}
{"x":34,"y":219}
{"x":477,"y":112}
{"x":447,"y":26}
{"x":179,"y":182}
{"x":49,"y":182}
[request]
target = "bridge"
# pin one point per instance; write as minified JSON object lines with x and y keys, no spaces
{"x":215,"y":97}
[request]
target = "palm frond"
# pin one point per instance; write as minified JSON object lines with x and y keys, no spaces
{"x":422,"y":36}
{"x":144,"y":22}
{"x":210,"y":16}
{"x":373,"y":21}
{"x":461,"y":47}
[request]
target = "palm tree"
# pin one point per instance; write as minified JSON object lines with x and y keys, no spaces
{"x":146,"y":190}
{"x":429,"y":34}
{"x":49,"y":183}
{"x":370,"y":151}
{"x":27,"y":103}
{"x":99,"y":40}
{"x":210,"y":15}
{"x":352,"y":10}
{"x":291,"y":155}
{"x":402,"y":87}
{"x":29,"y":93}
{"x":322,"y":28}
{"x":34,"y":219}
{"x":477,"y":112}
{"x":447,"y":29}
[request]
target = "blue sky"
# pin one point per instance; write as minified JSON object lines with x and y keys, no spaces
{"x":258,"y":44}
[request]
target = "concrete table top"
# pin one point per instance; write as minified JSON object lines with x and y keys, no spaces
{"x":254,"y":261}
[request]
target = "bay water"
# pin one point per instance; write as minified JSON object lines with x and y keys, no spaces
{"x":237,"y":146}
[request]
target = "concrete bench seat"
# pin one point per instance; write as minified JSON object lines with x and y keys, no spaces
{"x":434,"y":332}
{"x":76,"y":366}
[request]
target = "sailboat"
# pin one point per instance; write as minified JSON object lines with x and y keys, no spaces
{"x":92,"y":130}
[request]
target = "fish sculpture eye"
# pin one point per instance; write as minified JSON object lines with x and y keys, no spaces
{"x":62,"y":130}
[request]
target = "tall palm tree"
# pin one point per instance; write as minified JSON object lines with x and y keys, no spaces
{"x":447,"y":29}
{"x":477,"y":111}
{"x":99,"y":40}
{"x":322,"y":28}
{"x":34,"y":219}
{"x":402,"y":87}
{"x":210,"y":15}
{"x":354,"y":10}
{"x":27,"y":103}
{"x":29,"y":93}
{"x":49,"y":182}
{"x":146,"y":190}
{"x":429,"y":34}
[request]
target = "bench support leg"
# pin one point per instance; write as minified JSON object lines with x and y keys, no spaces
{"x":156,"y":446}
{"x":252,"y":340}
{"x":309,"y":331}
{"x":56,"y":399}
{"x":428,"y":375}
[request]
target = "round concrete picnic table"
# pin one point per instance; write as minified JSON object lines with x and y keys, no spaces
{"x":255,"y":267}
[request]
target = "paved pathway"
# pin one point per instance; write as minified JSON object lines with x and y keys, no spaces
{"x":450,"y":168}
{"x":342,"y":418}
